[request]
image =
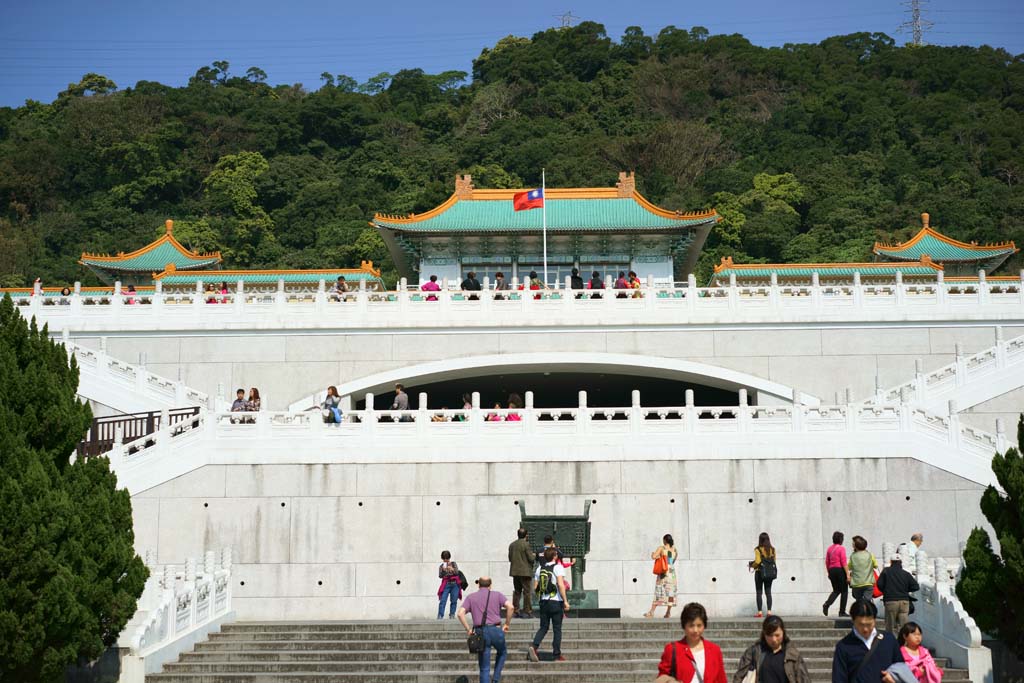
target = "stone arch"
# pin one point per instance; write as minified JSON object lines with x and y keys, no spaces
{"x":569,"y":361}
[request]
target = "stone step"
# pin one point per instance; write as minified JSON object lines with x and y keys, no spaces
{"x":400,"y":635}
{"x":599,"y":624}
{"x":269,"y":656}
{"x":458,"y":642}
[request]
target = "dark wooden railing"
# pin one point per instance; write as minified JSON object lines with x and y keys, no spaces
{"x":100,"y":437}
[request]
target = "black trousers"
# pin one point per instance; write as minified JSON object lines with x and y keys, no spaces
{"x":837,"y":576}
{"x":761,"y":583}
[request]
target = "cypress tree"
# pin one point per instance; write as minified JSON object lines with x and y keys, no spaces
{"x":69,"y":576}
{"x":991,"y":586}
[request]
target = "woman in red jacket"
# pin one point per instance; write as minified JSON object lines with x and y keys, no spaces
{"x":692,"y":659}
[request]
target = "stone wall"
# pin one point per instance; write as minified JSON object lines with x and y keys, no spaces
{"x":348,"y":541}
{"x":822,"y":361}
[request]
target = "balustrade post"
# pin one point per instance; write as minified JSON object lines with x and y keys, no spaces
{"x":1000,"y":435}
{"x":1000,"y":348}
{"x":583,"y":415}
{"x":649,"y":294}
{"x":362,"y":299}
{"x":422,"y":417}
{"x":919,"y":383}
{"x":320,"y":301}
{"x":76,"y":299}
{"x":369,"y":416}
{"x":403,"y":297}
{"x":263,"y":425}
{"x":852,"y":411}
{"x":691,"y":293}
{"x":476,"y":418}
{"x":815,"y":291}
{"x":773,"y":291}
{"x":940,"y":568}
{"x":279,"y":297}
{"x":636,"y":416}
{"x":744,"y":411}
{"x":959,"y":365}
{"x":167,"y":577}
{"x":209,"y":563}
{"x":1020,"y":287}
{"x":858,"y":292}
{"x":984,"y":295}
{"x":798,"y":412}
{"x":529,"y":416}
{"x":689,"y":414}
{"x":941,"y":291}
{"x":118,"y":435}
{"x":486,"y":298}
{"x":239,"y":297}
{"x":900,"y":289}
{"x":116,"y":300}
{"x":954,"y":424}
{"x":733,"y":293}
{"x":199,"y":298}
{"x":190,"y":569}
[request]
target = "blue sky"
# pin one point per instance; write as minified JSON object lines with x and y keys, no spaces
{"x":46,"y":44}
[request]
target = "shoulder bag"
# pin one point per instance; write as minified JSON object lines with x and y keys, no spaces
{"x":867,"y":658}
{"x":475,"y":640}
{"x":700,"y":677}
{"x":661,"y":565}
{"x":751,"y":676}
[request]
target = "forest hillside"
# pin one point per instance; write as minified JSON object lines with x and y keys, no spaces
{"x":810,"y":152}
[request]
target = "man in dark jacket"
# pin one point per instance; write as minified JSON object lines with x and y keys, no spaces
{"x":896,"y":584}
{"x":520,"y":559}
{"x":864,"y":654}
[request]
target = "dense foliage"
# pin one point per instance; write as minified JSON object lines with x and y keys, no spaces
{"x":69,"y":577}
{"x":811,"y":152}
{"x":992,"y":586}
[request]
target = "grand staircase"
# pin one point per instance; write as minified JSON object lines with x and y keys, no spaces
{"x":597,"y":650}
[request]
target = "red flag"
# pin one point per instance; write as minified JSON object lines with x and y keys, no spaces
{"x":531,"y":199}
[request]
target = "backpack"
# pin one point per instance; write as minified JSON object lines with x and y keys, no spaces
{"x":769,"y":570}
{"x":547,"y":582}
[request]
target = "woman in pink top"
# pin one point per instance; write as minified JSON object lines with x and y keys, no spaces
{"x":514,"y":403}
{"x":916,"y":656}
{"x":835,"y":567}
{"x":431,"y":286}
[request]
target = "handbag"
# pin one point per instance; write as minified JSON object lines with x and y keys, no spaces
{"x":751,"y":676}
{"x":463,"y":582}
{"x":661,"y":566}
{"x":875,"y":593}
{"x":475,"y":640}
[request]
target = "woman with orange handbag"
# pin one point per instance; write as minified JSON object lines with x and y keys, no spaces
{"x":664,"y":557}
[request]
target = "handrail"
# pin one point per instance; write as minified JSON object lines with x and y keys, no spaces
{"x":132,"y":385}
{"x":318,"y":307}
{"x":948,"y":629}
{"x":968,"y":380}
{"x":106,"y":432}
{"x":563,"y":433}
{"x":178,"y":604}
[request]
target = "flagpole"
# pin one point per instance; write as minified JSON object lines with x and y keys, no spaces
{"x":544,"y":209}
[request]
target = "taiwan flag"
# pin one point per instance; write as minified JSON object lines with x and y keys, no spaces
{"x":531,"y":199}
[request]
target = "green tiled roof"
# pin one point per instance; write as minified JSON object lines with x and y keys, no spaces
{"x":152,"y":258}
{"x":496,"y":215}
{"x":941,"y":249}
{"x":311,"y":277}
{"x":837,"y":270}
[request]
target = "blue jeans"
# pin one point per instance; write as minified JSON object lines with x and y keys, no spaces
{"x":450,"y":592}
{"x":550,"y":612}
{"x":493,"y":637}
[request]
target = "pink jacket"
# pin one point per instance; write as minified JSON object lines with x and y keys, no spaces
{"x":922,"y":665}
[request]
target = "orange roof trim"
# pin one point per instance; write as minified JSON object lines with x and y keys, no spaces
{"x":364,"y":267}
{"x":727,"y":263}
{"x":928,"y":231}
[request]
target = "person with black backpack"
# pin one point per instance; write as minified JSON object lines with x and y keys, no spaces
{"x":765,"y":570}
{"x":549,"y":586}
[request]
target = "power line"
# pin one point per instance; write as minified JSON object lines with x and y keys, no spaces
{"x":916,"y":25}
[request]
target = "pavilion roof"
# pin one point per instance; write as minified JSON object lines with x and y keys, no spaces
{"x":762,"y":271}
{"x":155,"y":256}
{"x":943,"y":249}
{"x":619,"y":208}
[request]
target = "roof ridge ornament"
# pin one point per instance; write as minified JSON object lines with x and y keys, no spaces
{"x":169,"y":224}
{"x":464,"y":186}
{"x":627,"y":184}
{"x":924,"y":220}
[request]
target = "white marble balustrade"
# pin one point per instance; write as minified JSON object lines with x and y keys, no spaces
{"x":949,"y":631}
{"x":179,"y":606}
{"x":308,"y":308}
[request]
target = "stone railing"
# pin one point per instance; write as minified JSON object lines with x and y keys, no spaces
{"x":949,"y":631}
{"x":967,"y":381}
{"x":308,"y":308}
{"x":568,"y":434}
{"x":127,"y":387}
{"x":179,"y":607}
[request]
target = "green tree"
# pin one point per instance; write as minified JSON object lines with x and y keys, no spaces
{"x":71,"y":578}
{"x":991,"y":586}
{"x":230,"y":190}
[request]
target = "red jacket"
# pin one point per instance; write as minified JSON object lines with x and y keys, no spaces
{"x":714,"y":667}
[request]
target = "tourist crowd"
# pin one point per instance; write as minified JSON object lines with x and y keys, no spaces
{"x":864,"y":655}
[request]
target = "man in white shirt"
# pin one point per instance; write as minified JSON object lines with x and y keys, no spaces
{"x":549,"y":586}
